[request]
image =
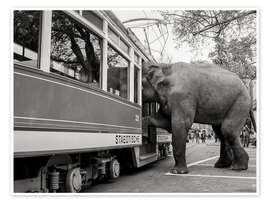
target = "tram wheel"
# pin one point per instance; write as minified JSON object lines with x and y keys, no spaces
{"x":114,"y":169}
{"x":73,"y":180}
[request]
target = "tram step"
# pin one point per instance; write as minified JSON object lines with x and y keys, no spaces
{"x":147,"y":156}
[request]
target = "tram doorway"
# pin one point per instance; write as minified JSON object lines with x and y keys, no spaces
{"x":149,"y":138}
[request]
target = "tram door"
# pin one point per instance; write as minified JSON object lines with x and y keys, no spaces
{"x":149,"y":138}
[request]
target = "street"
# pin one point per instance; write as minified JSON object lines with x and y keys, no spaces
{"x":202,"y":176}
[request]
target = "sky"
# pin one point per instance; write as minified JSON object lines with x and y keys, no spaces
{"x":171,"y":53}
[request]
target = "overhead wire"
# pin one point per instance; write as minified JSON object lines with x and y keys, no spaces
{"x":158,"y":38}
{"x":162,"y":28}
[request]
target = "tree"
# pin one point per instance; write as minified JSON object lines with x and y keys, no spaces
{"x":232,"y":31}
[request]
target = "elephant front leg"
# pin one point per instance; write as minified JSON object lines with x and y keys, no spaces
{"x":179,"y":153}
{"x":180,"y":126}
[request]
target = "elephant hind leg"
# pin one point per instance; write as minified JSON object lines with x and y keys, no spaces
{"x":231,"y":128}
{"x":226,"y":156}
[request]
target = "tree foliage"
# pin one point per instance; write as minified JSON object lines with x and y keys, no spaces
{"x":237,"y":55}
{"x":26,"y":28}
{"x":232,"y":31}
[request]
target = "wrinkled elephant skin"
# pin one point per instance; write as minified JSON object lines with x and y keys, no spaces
{"x":201,"y":93}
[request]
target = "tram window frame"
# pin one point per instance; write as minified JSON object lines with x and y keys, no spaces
{"x":110,"y":89}
{"x":124,"y":46}
{"x":94,"y":18}
{"x":96,"y":81}
{"x":116,"y":38}
{"x":26,"y":50}
{"x":113,"y":36}
{"x":137,"y":72}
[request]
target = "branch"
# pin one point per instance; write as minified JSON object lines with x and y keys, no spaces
{"x":77,"y":51}
{"x":225,"y":21}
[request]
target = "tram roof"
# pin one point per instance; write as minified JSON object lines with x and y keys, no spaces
{"x":131,"y":35}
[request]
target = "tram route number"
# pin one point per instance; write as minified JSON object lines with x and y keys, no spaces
{"x":127,"y":139}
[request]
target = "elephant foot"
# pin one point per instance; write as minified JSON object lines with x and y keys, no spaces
{"x":239,"y":166}
{"x":179,"y":170}
{"x":221,"y":163}
{"x":241,"y":160}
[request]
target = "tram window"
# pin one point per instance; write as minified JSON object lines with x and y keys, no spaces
{"x":75,"y":51}
{"x":157,"y":107}
{"x":117,"y":73}
{"x":136,"y":84}
{"x":153,"y":108}
{"x":26,"y":37}
{"x":124,"y":46}
{"x":113,"y":36}
{"x":93,"y":18}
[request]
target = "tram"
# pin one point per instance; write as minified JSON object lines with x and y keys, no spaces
{"x":77,"y":101}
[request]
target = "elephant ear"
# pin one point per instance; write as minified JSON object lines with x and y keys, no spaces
{"x":155,"y":75}
{"x":163,"y":88}
{"x":159,"y":70}
{"x":147,"y":66}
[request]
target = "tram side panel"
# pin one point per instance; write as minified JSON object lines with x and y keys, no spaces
{"x":47,"y":102}
{"x":67,"y":134}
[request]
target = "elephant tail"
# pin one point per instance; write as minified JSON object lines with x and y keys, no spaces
{"x":251,"y":114}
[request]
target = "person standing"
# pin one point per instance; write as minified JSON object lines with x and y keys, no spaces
{"x":197,"y":136}
{"x":246,"y":135}
{"x":191,"y":136}
{"x":203,"y":136}
{"x":242,"y":138}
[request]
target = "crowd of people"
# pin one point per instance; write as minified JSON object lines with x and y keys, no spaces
{"x":247,"y":136}
{"x":200,"y":135}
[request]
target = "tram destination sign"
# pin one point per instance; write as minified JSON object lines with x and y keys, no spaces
{"x":127,"y":139}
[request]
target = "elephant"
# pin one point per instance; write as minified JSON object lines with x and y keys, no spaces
{"x":198,"y":93}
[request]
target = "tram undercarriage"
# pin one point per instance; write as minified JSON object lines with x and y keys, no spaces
{"x":73,"y":172}
{"x":64,"y":173}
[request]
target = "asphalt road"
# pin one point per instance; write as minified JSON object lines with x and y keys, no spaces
{"x":202,"y":177}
